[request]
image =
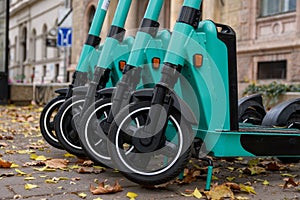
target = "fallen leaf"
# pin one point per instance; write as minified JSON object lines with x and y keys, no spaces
{"x":21,"y":173}
{"x":241,"y":198}
{"x":84,"y":170}
{"x":131,"y":195}
{"x":57,"y":163}
{"x":105,"y":189}
{"x":233,"y":186}
{"x":14,"y":165}
{"x":230,"y":178}
{"x":88,"y":163}
{"x":289,"y":175}
{"x":82,"y":195}
{"x":266,"y":182}
{"x":220,"y":192}
{"x":230,"y":168}
{"x":30,"y":186}
{"x":254,"y":170}
{"x":34,"y":163}
{"x":68,"y":155}
{"x":98,"y":198}
{"x":291,"y":182}
{"x":7,"y":174}
{"x":247,"y":189}
{"x":29,"y":178}
{"x":5,"y":164}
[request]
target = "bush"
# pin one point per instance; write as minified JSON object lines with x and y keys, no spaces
{"x":271,"y":92}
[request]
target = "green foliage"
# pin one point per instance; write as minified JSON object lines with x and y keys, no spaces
{"x":271,"y":92}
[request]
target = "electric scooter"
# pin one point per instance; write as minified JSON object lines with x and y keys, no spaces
{"x":113,"y":57}
{"x":142,"y":71}
{"x":84,"y":70}
{"x":204,"y":53}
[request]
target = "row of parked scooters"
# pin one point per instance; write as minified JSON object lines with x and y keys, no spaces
{"x":146,"y":104}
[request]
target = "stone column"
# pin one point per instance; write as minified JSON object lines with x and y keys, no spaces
{"x":131,"y":22}
{"x":211,"y":10}
{"x":175,"y":10}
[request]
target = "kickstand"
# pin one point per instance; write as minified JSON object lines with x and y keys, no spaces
{"x":209,"y":172}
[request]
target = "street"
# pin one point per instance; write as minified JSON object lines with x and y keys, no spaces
{"x":32,"y":169}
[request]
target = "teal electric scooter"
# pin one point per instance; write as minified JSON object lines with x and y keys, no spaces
{"x":84,"y":71}
{"x":204,"y":54}
{"x":142,"y":71}
{"x":113,"y":58}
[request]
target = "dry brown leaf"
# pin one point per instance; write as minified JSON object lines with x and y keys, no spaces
{"x":220,"y":192}
{"x":105,"y":189}
{"x":88,"y":170}
{"x":3,"y":144}
{"x":34,"y":163}
{"x":290,"y":181}
{"x":88,"y":163}
{"x":233,"y":186}
{"x":57,"y":163}
{"x":5,"y":164}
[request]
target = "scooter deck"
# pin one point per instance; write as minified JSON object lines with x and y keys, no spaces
{"x":252,"y":140}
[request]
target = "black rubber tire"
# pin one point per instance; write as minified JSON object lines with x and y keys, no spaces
{"x":66,"y":132}
{"x":168,"y":172}
{"x":92,"y":138}
{"x":292,"y":119}
{"x":47,"y":121}
{"x":252,"y":116}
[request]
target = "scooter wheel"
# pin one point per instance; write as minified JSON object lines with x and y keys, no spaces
{"x":292,"y":122}
{"x":47,"y":118}
{"x":66,"y":125}
{"x":92,"y":137}
{"x":149,"y":167}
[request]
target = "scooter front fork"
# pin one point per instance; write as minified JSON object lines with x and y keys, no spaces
{"x":160,"y":108}
{"x":121,"y":95}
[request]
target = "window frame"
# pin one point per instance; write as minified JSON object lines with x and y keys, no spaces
{"x":283,"y":7}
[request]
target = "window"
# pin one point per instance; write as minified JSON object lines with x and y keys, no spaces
{"x":44,"y":38}
{"x":272,"y":70}
{"x":273,"y":7}
{"x":24,"y":44}
{"x":33,"y":45}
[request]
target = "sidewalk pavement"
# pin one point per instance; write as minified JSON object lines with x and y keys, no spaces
{"x":22,"y":143}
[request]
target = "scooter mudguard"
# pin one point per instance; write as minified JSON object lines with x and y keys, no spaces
{"x":280,"y":114}
{"x":251,"y":109}
{"x":62,"y":91}
{"x":178,"y":103}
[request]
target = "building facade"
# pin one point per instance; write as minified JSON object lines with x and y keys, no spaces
{"x":268,"y":38}
{"x":34,"y":57}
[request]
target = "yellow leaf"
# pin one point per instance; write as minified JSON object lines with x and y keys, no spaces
{"x":50,"y":181}
{"x":13,"y":165}
{"x":29,"y":178}
{"x":214,"y":178}
{"x":45,"y":169}
{"x":186,"y":195}
{"x":230,"y":178}
{"x":82,"y":195}
{"x":220,"y":192}
{"x":131,"y":195}
{"x":74,"y":167}
{"x":60,"y":187}
{"x":20,"y":172}
{"x":68,"y":155}
{"x":40,"y":158}
{"x":289,"y":175}
{"x":98,"y":198}
{"x":33,"y":156}
{"x":63,"y":178}
{"x":239,"y":158}
{"x":248,"y":189}
{"x":230,"y":168}
{"x":266,"y":182}
{"x":30,"y":186}
{"x":197,"y":194}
